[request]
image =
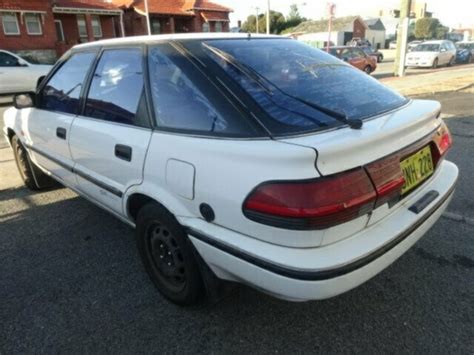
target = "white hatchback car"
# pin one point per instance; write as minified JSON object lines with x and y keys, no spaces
{"x":255,"y":159}
{"x":18,"y":75}
{"x":432,"y":54}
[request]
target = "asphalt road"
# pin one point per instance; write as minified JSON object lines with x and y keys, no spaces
{"x":71,"y":281}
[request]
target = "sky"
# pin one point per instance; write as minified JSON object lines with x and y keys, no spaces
{"x":452,"y":13}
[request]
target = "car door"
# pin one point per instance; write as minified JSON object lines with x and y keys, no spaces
{"x":9,"y":71}
{"x":445,"y":55}
{"x":109,"y":140}
{"x":48,"y":125}
{"x":358,"y":58}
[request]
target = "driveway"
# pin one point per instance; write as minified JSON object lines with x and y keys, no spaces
{"x":71,"y":281}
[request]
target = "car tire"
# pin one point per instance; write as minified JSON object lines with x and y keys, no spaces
{"x":368,"y":69}
{"x":435,"y":63}
{"x":380,"y":59}
{"x":168,"y":256}
{"x":32,"y":176}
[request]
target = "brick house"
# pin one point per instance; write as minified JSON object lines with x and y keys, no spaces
{"x":174,"y":16}
{"x":42,"y":30}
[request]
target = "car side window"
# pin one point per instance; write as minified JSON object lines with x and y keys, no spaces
{"x":117,"y":87}
{"x":358,"y":53}
{"x":185,"y":101}
{"x":346,"y":54}
{"x":7,"y":60}
{"x":62,"y":92}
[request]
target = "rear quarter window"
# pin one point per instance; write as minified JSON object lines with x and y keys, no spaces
{"x":185,"y":101}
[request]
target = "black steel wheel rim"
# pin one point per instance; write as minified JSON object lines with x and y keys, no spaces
{"x":165,"y":257}
{"x":20,"y":158}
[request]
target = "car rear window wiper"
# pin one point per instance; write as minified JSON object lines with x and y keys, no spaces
{"x":264,"y":83}
{"x":249,"y":72}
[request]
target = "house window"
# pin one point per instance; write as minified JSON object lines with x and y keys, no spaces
{"x":81,"y":25}
{"x":218,"y":26}
{"x":33,"y":24}
{"x":155,"y":26}
{"x":96,"y":26}
{"x":59,"y":30}
{"x":205,"y":27}
{"x":10,"y":24}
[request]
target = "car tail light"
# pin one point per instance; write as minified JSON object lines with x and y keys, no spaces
{"x":388,"y":179}
{"x":443,"y":142}
{"x":312,"y":204}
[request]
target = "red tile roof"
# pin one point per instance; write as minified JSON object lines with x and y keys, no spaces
{"x":169,"y":7}
{"x":86,"y":4}
{"x":172,"y":7}
{"x":208,"y":5}
{"x":214,"y":16}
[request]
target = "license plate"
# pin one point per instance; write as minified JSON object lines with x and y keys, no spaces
{"x":416,"y":168}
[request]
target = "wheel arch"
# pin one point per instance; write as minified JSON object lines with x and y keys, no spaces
{"x":10,"y":133}
{"x":135,"y":202}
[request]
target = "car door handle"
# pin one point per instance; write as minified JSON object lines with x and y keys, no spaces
{"x":123,"y":152}
{"x":61,"y":132}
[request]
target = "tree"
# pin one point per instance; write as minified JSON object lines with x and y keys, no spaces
{"x":277,"y":22}
{"x":429,"y":28}
{"x":250,"y":25}
{"x":441,"y":32}
{"x":294,"y":13}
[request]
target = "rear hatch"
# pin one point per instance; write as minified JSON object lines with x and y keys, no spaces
{"x":385,"y":146}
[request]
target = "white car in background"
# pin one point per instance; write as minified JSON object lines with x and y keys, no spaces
{"x":18,"y":75}
{"x":253,"y":159}
{"x":432,"y":54}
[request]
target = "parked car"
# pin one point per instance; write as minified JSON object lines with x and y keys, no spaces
{"x":468,"y":46}
{"x":359,"y":42}
{"x":374,"y":53}
{"x":249,"y":159}
{"x":356,"y":57}
{"x":17,"y":74}
{"x":463,"y":56}
{"x":432,"y":54}
{"x":392,"y":45}
{"x":412,"y":45}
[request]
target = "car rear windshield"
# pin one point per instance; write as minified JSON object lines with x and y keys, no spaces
{"x":289,"y":79}
{"x":427,"y":47}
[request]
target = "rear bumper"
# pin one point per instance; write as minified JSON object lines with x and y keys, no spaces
{"x":317,"y":273}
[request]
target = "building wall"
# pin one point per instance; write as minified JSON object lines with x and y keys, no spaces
{"x":135,"y":24}
{"x":28,"y":45}
{"x":320,"y":38}
{"x":376,"y":38}
{"x":359,"y":29}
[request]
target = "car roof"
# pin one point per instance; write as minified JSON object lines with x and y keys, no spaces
{"x":435,"y":41}
{"x":171,"y":37}
{"x":342,"y":47}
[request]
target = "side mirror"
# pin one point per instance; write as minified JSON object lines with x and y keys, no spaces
{"x":24,"y":100}
{"x":345,"y":59}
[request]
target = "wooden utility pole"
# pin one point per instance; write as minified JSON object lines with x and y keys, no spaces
{"x":402,"y":38}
